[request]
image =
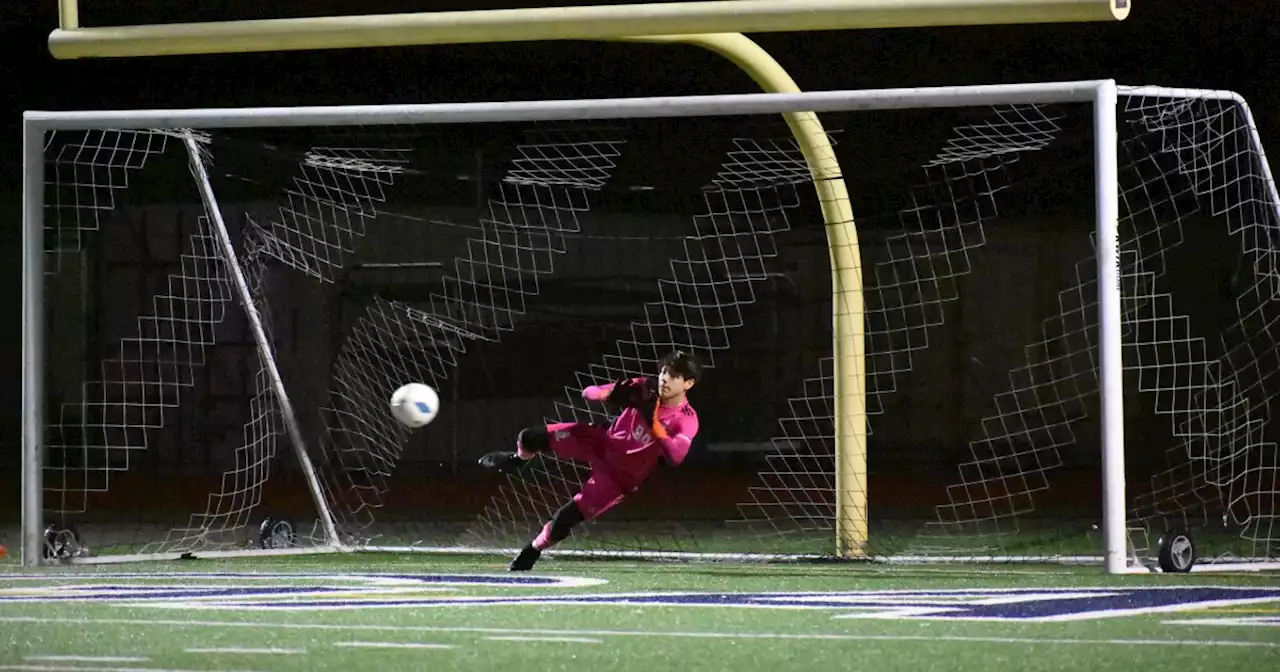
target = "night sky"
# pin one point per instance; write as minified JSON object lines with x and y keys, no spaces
{"x":1166,"y":42}
{"x":1191,"y":43}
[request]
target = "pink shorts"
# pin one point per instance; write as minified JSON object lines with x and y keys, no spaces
{"x":586,"y":443}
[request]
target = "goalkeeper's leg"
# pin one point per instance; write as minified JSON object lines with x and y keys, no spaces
{"x":567,"y":440}
{"x":598,"y":495}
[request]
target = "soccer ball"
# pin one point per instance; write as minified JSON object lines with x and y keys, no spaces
{"x":415,"y":405}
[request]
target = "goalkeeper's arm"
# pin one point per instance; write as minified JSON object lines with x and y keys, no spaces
{"x":597,"y":392}
{"x":676,"y":439}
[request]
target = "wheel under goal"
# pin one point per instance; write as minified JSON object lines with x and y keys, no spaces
{"x":220,"y":303}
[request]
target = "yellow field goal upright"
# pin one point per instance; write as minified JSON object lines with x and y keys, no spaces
{"x":717,"y":25}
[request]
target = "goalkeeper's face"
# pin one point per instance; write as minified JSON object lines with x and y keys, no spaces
{"x":672,"y":386}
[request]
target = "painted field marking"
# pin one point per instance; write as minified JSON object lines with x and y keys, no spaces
{"x":991,"y":604}
{"x":392,"y":645}
{"x":565,"y":640}
{"x":239,"y":650}
{"x":1083,"y":615}
{"x":1251,"y":621}
{"x":637,"y":633}
{"x":435,"y":581}
{"x":57,"y":668}
{"x":85,"y":659}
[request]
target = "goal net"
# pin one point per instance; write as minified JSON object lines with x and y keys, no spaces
{"x":228,"y":299}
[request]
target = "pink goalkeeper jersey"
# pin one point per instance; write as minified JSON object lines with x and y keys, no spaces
{"x":634,"y":451}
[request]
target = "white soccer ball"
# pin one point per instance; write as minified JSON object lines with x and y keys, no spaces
{"x":415,"y":405}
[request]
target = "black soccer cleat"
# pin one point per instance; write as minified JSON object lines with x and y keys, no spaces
{"x":525,"y":561}
{"x":506,"y":462}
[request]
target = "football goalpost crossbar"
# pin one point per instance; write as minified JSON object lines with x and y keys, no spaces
{"x":603,"y":22}
{"x":1101,"y":94}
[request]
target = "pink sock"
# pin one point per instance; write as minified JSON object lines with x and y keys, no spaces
{"x":522,"y":453}
{"x":543,"y":540}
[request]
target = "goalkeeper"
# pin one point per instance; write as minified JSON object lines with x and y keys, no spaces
{"x":655,"y":424}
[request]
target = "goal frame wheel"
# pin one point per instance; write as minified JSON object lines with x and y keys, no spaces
{"x":1177,"y":551}
{"x":276,"y":532}
{"x":62,"y":543}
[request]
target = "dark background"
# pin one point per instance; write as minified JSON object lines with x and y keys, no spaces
{"x":1185,"y":43}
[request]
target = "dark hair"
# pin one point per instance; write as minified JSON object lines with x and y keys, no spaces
{"x":682,"y":364}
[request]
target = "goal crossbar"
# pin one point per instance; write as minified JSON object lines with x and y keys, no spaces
{"x":572,"y":110}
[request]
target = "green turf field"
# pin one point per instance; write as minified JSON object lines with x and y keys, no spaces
{"x":393,"y":612}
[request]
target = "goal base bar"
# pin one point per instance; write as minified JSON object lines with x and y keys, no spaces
{"x":200,"y":555}
{"x":1241,"y":564}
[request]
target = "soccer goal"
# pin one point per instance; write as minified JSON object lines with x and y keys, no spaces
{"x":1069,"y":295}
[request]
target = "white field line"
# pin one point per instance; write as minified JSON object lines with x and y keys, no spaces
{"x":565,"y":640}
{"x":1253,"y":621}
{"x":61,"y":668}
{"x":392,"y":645}
{"x":85,"y":659}
{"x":638,"y":633}
{"x":248,"y":651}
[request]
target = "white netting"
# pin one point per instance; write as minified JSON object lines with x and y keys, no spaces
{"x":709,"y":277}
{"x":98,"y":434}
{"x":914,"y":273}
{"x":1011,"y":130}
{"x":139,"y":385}
{"x":86,"y":170}
{"x":234,"y":506}
{"x":331,"y":196}
{"x":336,"y":192}
{"x":1180,"y":156}
{"x":539,"y":200}
{"x":1227,"y":458}
{"x":328,"y":205}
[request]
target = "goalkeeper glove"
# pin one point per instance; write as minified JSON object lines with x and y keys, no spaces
{"x":634,"y":393}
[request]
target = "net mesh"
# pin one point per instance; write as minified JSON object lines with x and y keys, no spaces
{"x":378,"y":256}
{"x":1178,"y":159}
{"x":233,"y":506}
{"x":1225,"y":459}
{"x":709,"y":276}
{"x":539,"y":200}
{"x":140,"y":383}
{"x":85,"y":172}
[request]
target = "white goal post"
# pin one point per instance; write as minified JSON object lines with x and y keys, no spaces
{"x":1117,"y":551}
